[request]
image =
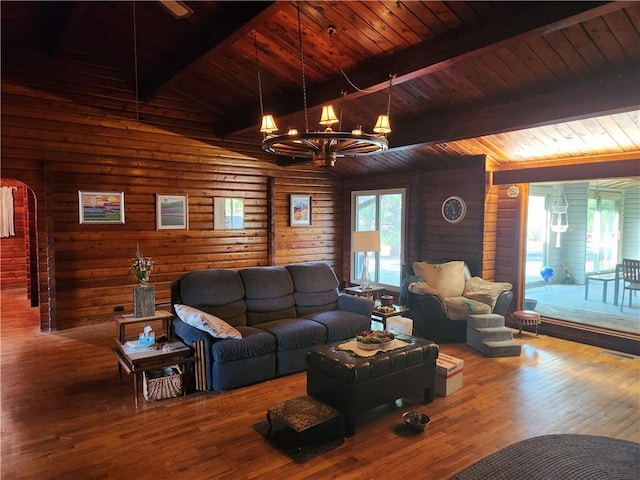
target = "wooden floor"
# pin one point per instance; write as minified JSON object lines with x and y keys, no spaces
{"x":66,"y":416}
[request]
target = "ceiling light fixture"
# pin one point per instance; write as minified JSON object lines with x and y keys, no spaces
{"x":177,"y":8}
{"x":325,"y":146}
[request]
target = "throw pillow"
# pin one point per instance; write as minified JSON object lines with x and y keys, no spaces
{"x":214,"y":326}
{"x":485,"y":291}
{"x":447,"y":278}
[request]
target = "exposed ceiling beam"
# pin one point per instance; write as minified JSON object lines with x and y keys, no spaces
{"x":614,"y":95}
{"x":224,"y":28}
{"x":429,"y":57}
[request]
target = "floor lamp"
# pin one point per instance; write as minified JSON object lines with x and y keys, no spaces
{"x":365,"y":242}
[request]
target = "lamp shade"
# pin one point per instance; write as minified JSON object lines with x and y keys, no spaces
{"x":365,"y":241}
{"x":268,"y":124}
{"x":382,"y":125}
{"x":328,"y":116}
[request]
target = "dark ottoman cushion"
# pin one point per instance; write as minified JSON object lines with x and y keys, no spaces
{"x":350,"y":369}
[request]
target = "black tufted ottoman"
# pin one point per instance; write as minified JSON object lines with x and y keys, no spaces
{"x":353,"y":384}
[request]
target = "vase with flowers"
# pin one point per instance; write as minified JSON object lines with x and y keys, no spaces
{"x":144,"y":295}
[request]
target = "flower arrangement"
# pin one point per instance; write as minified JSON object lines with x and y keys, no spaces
{"x":141,"y":266}
{"x":375,"y":336}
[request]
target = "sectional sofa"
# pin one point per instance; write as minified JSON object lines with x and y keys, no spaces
{"x":259,"y":322}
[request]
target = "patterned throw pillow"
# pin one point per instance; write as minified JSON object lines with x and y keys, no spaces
{"x":214,"y":326}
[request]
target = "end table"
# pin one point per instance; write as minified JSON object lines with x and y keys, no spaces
{"x":123,"y":320}
{"x":378,"y":316}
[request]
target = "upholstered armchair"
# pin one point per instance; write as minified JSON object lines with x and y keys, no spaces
{"x":442,"y":295}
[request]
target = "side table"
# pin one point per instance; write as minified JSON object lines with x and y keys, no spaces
{"x":160,"y":315}
{"x":378,"y":316}
{"x":136,"y":361}
{"x":371,"y":292}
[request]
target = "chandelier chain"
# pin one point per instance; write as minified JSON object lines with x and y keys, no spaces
{"x":135,"y":62}
{"x":255,"y":39}
{"x":304,"y":79}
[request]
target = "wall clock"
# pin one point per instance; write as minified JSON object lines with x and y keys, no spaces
{"x":454,"y":209}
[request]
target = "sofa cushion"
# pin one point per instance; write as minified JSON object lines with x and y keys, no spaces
{"x":447,"y":278}
{"x":216,"y":291}
{"x":485,"y":291}
{"x":214,"y":326}
{"x":459,"y":308}
{"x":341,"y":324}
{"x":269,"y":294}
{"x":315,"y":287}
{"x":294,"y":333}
{"x":254,"y":343}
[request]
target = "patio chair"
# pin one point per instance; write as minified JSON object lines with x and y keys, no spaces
{"x":630,"y":277}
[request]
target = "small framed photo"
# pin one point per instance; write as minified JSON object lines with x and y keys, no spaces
{"x":172,"y":212}
{"x":300,"y":210}
{"x":101,"y":207}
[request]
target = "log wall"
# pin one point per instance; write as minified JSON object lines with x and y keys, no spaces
{"x":429,"y":236}
{"x":57,"y":143}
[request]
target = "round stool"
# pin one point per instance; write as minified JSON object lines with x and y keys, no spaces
{"x":527,"y":317}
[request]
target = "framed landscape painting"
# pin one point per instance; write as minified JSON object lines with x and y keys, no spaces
{"x":300,"y":210}
{"x":172,"y":212}
{"x":100,"y":207}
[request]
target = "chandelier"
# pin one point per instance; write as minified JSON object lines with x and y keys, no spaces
{"x":323,"y":146}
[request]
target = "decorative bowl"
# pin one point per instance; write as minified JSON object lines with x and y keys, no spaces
{"x":416,"y":420}
{"x":374,"y":339}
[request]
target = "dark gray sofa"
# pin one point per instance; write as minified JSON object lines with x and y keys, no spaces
{"x":280,"y":311}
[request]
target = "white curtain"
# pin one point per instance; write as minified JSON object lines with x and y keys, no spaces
{"x":6,"y":212}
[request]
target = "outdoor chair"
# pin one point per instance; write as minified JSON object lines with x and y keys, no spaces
{"x":630,"y":278}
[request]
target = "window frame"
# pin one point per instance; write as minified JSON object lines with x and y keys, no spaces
{"x":374,"y":258}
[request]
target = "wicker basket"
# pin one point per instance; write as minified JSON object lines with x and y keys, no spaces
{"x":162,"y":383}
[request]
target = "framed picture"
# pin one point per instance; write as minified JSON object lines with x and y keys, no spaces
{"x":101,"y":207}
{"x":300,"y":210}
{"x":172,"y":212}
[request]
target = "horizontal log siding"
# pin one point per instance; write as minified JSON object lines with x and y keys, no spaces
{"x":50,"y":134}
{"x":510,"y":234}
{"x":440,"y":240}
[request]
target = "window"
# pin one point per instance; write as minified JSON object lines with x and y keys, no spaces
{"x":382,"y":210}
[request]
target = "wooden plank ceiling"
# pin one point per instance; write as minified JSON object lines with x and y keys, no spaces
{"x":515,"y":81}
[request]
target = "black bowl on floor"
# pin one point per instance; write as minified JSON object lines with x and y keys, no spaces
{"x":416,"y":420}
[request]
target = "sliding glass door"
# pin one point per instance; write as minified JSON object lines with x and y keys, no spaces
{"x":603,"y":233}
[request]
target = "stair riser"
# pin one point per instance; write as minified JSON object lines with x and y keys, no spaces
{"x":491,"y":336}
{"x":486,"y":321}
{"x":477,"y":340}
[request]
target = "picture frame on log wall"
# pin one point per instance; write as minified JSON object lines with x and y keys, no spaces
{"x":100,"y":207}
{"x":172,"y":212}
{"x":300,"y":210}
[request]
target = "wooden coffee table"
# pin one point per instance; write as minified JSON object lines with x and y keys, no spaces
{"x":151,"y":358}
